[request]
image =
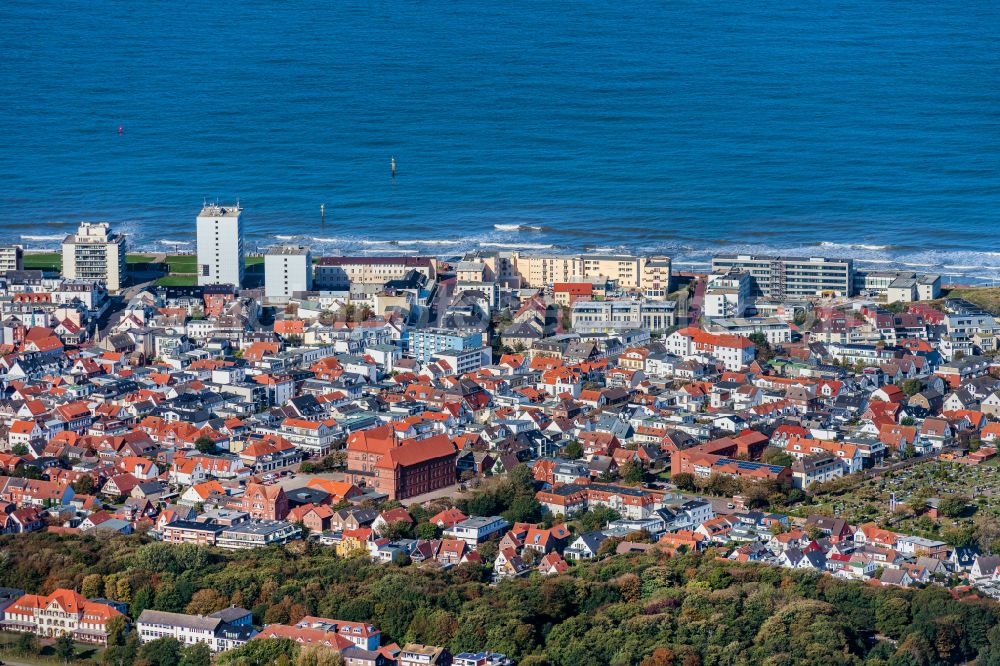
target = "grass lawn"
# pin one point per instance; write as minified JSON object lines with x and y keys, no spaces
{"x":189,"y":280}
{"x":182,"y":263}
{"x":85,"y":652}
{"x":47,"y":261}
{"x":138,"y":258}
{"x":987,"y":298}
{"x":253,"y":261}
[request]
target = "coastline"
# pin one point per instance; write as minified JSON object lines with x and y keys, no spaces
{"x":680,"y":266}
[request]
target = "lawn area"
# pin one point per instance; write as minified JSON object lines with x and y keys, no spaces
{"x":85,"y":652}
{"x":253,"y":261}
{"x":46,"y":261}
{"x":987,"y":298}
{"x":189,"y":280}
{"x":138,"y":258}
{"x":182,"y":263}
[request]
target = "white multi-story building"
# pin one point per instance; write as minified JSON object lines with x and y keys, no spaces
{"x":287,"y":269}
{"x":791,"y":277}
{"x":477,"y":529}
{"x":11,"y":258}
{"x":95,"y":253}
{"x":727,"y":294}
{"x":222,"y":630}
{"x":465,"y":360}
{"x":220,"y":245}
{"x":619,"y":315}
{"x":775,"y":330}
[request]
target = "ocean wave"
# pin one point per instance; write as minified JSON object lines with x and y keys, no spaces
{"x":517,"y":246}
{"x":173,"y":242}
{"x":854,"y":246}
{"x":281,"y":237}
{"x":517,"y":227}
{"x":399,"y":251}
{"x":42,"y":237}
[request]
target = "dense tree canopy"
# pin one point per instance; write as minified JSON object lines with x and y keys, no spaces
{"x":651,"y":609}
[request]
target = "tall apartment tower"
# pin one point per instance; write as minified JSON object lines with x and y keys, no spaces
{"x":95,"y":253}
{"x":220,"y":245}
{"x":287,"y":269}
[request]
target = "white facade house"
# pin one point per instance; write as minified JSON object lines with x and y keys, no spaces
{"x":220,"y":245}
{"x":222,"y":630}
{"x":477,"y":529}
{"x":95,"y":253}
{"x":287,"y":269}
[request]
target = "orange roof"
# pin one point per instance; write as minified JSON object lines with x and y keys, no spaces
{"x":22,"y":427}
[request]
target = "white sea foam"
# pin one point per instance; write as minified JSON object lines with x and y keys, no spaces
{"x":853,"y":246}
{"x":516,"y":227}
{"x":173,"y":242}
{"x":43,"y":237}
{"x":400,"y":251}
{"x":517,"y":246}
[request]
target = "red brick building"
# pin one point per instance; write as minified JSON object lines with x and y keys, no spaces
{"x":400,"y":468}
{"x":264,"y":502}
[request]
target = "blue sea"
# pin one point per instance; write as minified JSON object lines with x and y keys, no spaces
{"x":843,"y":128}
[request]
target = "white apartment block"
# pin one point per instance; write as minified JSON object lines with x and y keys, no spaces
{"x":95,"y":253}
{"x":339,"y":273}
{"x":620,"y":315}
{"x":775,"y":330}
{"x":727,"y":294}
{"x":11,"y":258}
{"x":287,"y":269}
{"x":791,"y":277}
{"x":220,"y":245}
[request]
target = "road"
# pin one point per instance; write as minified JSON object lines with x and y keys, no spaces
{"x":694,"y":308}
{"x":137,"y":272}
{"x":442,"y":299}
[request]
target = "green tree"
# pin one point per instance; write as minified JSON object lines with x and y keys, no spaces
{"x":428,"y":531}
{"x":399,"y":529}
{"x":93,"y":586}
{"x":84,"y":485}
{"x":573,"y":450}
{"x":892,"y":615}
{"x":264,"y":651}
{"x":632,"y":472}
{"x":773,"y":455}
{"x":953,"y":506}
{"x":524,"y":509}
{"x":26,"y":645}
{"x":116,"y":627}
{"x":764,"y":350}
{"x":164,"y":651}
{"x":19,"y":450}
{"x":198,"y":654}
{"x":143,"y":599}
{"x":205,"y":444}
{"x":683,"y":481}
{"x":64,"y":648}
{"x":910,"y":387}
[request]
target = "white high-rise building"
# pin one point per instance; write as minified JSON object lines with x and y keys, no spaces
{"x":220,"y":245}
{"x":95,"y":253}
{"x":287,"y":269}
